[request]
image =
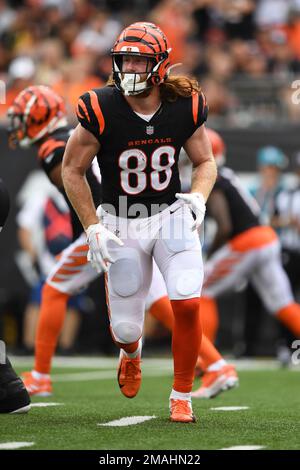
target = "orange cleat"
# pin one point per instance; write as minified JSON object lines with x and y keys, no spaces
{"x":129,"y":375}
{"x":37,"y":387}
{"x":216,"y":382}
{"x":181,"y":411}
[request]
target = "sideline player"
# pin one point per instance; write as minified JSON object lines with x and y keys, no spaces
{"x":137,"y":126}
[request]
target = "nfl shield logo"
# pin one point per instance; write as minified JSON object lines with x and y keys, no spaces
{"x":149,"y":130}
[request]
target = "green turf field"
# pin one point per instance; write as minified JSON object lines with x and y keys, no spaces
{"x":89,"y":396}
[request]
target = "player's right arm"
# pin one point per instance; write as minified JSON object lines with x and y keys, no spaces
{"x":80,"y":151}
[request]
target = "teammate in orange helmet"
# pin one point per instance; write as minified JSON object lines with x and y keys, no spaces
{"x":38,"y":117}
{"x":137,"y":126}
{"x":243,"y":250}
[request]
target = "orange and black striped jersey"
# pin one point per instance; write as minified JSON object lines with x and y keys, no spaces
{"x":138,"y":159}
{"x":50,"y":155}
{"x":243,"y":208}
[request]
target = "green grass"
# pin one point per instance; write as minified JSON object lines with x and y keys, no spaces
{"x":271,"y":421}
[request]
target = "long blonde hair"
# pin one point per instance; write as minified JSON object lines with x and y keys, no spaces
{"x":173,"y":87}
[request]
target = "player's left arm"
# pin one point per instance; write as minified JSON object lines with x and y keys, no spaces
{"x":199,"y":151}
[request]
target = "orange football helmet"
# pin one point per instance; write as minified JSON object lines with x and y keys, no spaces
{"x":146,"y":40}
{"x":218,"y":146}
{"x":36,"y":112}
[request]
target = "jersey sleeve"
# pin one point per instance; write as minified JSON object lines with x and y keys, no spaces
{"x":199,"y":109}
{"x":89,"y":113}
{"x":51,"y":154}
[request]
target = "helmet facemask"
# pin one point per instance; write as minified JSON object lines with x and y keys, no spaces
{"x":145,"y":40}
{"x":134,"y":83}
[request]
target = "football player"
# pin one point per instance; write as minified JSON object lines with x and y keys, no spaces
{"x":136,"y":126}
{"x":72,"y":271}
{"x":37,"y":117}
{"x":14,"y":397}
{"x":243,"y":250}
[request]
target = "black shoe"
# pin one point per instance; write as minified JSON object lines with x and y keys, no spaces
{"x":14,"y":397}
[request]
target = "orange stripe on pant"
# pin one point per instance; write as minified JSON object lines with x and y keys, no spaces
{"x":253,"y":238}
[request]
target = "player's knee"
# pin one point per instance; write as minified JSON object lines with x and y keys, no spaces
{"x":188,"y":282}
{"x":125,"y":277}
{"x":187,"y":308}
{"x":126,"y":332}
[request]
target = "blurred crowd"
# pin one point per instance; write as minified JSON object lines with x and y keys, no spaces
{"x":246,"y":53}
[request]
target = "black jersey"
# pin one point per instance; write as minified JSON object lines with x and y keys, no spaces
{"x":50,"y":155}
{"x":4,"y":204}
{"x":139,"y":159}
{"x":243,"y":208}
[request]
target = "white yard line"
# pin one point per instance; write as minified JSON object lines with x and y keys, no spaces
{"x":230,"y":408}
{"x":128,"y":421}
{"x":43,"y":404}
{"x":106,"y":374}
{"x":111,"y":362}
{"x":15,"y":445}
{"x":244,"y":448}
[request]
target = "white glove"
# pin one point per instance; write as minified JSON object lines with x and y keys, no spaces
{"x":197,"y":204}
{"x":97,"y":238}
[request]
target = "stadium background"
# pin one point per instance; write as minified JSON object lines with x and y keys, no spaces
{"x":246,"y":56}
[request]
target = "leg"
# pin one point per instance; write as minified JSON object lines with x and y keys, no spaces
{"x":128,"y":282}
{"x":71,"y":273}
{"x":273,"y":286}
{"x":178,"y":256}
{"x":218,"y":375}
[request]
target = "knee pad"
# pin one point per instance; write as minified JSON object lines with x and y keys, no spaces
{"x":184,"y":283}
{"x":188,"y":282}
{"x":126,"y":332}
{"x":125,"y":275}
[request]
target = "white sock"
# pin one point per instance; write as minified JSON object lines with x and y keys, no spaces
{"x":215,"y":366}
{"x":136,"y":353}
{"x":180,"y":396}
{"x":38,"y":376}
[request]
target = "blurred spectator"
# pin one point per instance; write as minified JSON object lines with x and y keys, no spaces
{"x":174,"y":17}
{"x":246,"y":51}
{"x":7,"y":16}
{"x":270,"y":161}
{"x":21,"y":74}
{"x":50,"y":56}
{"x":77,"y":77}
{"x":98,"y":35}
{"x":271,"y":13}
{"x":287,"y":222}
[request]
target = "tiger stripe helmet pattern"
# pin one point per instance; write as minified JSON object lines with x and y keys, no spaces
{"x":37,"y":111}
{"x":141,"y":39}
